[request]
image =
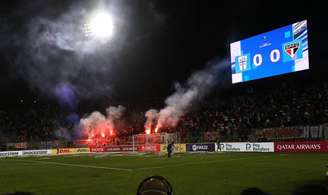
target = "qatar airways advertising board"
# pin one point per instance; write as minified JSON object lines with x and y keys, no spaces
{"x":310,"y":146}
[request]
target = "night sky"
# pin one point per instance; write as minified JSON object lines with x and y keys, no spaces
{"x":155,"y":44}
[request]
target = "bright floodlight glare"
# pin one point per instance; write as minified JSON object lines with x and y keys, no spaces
{"x":100,"y":25}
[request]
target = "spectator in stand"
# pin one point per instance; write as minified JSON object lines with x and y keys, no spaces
{"x":231,"y":116}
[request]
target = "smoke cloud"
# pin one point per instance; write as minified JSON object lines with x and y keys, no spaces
{"x":179,"y":103}
{"x":114,"y":113}
{"x":152,"y":117}
{"x":52,"y":47}
{"x":97,"y":124}
{"x":65,"y":94}
{"x":56,"y":51}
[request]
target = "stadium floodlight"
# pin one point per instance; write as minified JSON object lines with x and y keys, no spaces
{"x":100,"y":25}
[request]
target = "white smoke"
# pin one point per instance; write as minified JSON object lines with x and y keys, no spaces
{"x":63,"y":133}
{"x":184,"y":97}
{"x":91,"y":123}
{"x":152,"y":117}
{"x":97,"y":123}
{"x":54,"y":49}
{"x":115,"y":112}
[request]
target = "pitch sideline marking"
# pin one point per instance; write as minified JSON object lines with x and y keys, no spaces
{"x":77,"y":165}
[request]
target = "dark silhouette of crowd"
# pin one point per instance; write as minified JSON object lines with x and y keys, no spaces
{"x":226,"y":115}
{"x":32,"y":125}
{"x":237,"y":116}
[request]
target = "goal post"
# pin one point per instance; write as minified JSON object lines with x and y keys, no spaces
{"x":148,"y":140}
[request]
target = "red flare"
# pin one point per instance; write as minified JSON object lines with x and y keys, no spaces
{"x":157,"y":128}
{"x":147,"y":131}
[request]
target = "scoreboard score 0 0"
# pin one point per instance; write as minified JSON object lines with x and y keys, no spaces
{"x":280,"y":51}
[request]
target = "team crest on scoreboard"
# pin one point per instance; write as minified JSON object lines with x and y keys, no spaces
{"x":243,"y":63}
{"x":292,"y":50}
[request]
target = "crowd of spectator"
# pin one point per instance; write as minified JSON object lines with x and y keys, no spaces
{"x":237,"y":116}
{"x":34,"y":124}
{"x":227,"y":115}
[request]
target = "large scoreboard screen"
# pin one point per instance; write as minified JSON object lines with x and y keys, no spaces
{"x":280,"y":51}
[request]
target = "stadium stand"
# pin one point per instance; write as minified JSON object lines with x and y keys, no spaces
{"x":274,"y":114}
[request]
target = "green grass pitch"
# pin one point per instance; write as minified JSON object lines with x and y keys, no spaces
{"x":189,"y":174}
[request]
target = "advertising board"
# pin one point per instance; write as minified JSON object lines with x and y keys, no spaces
{"x":309,"y":146}
{"x":246,"y":147}
{"x":206,"y":147}
{"x":178,"y":148}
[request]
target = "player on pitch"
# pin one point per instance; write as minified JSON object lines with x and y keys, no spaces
{"x":170,"y":148}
